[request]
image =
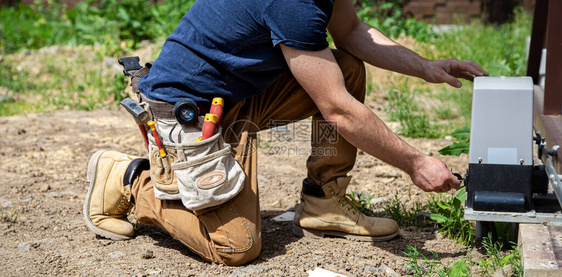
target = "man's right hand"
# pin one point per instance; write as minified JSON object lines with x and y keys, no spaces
{"x":431,"y":174}
{"x":450,"y":70}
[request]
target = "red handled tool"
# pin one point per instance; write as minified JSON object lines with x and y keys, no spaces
{"x":157,"y":139}
{"x":209,"y":127}
{"x":212,"y":119}
{"x":217,"y":106}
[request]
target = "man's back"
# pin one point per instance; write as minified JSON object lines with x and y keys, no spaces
{"x":229,"y":48}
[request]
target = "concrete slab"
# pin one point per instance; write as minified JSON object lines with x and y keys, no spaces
{"x":541,"y":250}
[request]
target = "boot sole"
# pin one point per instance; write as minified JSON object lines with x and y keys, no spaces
{"x":91,"y":178}
{"x":312,"y":233}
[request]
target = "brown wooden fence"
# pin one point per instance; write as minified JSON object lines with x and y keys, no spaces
{"x":459,"y":11}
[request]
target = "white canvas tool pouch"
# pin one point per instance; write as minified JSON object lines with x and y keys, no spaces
{"x":201,"y":174}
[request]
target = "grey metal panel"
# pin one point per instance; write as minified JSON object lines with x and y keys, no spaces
{"x":528,"y":217}
{"x":502,"y":118}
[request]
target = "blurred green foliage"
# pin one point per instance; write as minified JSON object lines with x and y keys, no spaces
{"x":119,"y":25}
{"x":414,"y":120}
{"x":31,"y":27}
{"x":500,"y":50}
{"x":387,"y":17}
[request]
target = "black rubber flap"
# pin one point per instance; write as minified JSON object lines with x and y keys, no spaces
{"x":499,"y":201}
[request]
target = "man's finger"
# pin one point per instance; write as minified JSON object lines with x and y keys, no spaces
{"x":451,"y":80}
{"x":470,"y":67}
{"x":454,"y":182}
{"x":478,"y":68}
{"x":467,"y":76}
{"x":438,"y":190}
{"x":446,"y":188}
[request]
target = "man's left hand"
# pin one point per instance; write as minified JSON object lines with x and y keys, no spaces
{"x":450,"y":70}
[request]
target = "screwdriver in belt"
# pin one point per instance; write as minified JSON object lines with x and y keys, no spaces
{"x":217,"y":106}
{"x":157,"y":139}
{"x":212,"y":119}
{"x":209,"y":126}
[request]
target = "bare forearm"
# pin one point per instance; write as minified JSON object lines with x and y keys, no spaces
{"x":365,"y":130}
{"x":373,"y":47}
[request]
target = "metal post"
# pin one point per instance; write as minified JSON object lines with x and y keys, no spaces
{"x":553,"y":81}
{"x":537,"y":39}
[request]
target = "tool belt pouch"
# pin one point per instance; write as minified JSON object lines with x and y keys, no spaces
{"x":202,"y":174}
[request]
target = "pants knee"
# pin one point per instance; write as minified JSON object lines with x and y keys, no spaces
{"x":241,"y":257}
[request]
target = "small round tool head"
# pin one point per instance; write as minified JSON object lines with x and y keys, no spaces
{"x":185,"y":111}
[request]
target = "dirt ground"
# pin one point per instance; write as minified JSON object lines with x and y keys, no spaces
{"x":43,"y":165}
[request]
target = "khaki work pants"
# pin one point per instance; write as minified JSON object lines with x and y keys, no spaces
{"x":231,"y":233}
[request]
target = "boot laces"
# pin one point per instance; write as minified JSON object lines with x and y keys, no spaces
{"x":125,"y":206}
{"x":349,"y":203}
{"x":131,"y":208}
{"x":352,"y":202}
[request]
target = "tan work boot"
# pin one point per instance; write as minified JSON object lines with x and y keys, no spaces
{"x":330,"y":213}
{"x":108,"y":201}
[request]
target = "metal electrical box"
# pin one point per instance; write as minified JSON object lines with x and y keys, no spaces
{"x":502,"y":121}
{"x":501,"y":145}
{"x":506,"y":180}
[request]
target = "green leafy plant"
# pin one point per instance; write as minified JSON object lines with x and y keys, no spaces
{"x":362,"y":202}
{"x":461,"y":145}
{"x":406,"y":215}
{"x":449,"y":215}
{"x":420,"y":265}
{"x":493,"y":262}
{"x":506,"y":233}
{"x":414,"y":121}
{"x":496,"y":260}
{"x":461,"y":268}
{"x":16,"y":83}
{"x":388,"y":18}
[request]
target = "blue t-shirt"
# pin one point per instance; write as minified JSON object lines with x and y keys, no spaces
{"x":230,"y":49}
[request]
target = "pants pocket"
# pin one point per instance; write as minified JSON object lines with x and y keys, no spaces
{"x":209,"y":180}
{"x":162,"y":174}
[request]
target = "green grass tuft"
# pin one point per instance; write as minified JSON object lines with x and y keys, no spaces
{"x":492,"y":264}
{"x":9,"y":214}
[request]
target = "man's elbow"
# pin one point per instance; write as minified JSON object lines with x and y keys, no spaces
{"x":339,"y":116}
{"x":344,"y":44}
{"x":332,"y":115}
{"x":347,"y":41}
